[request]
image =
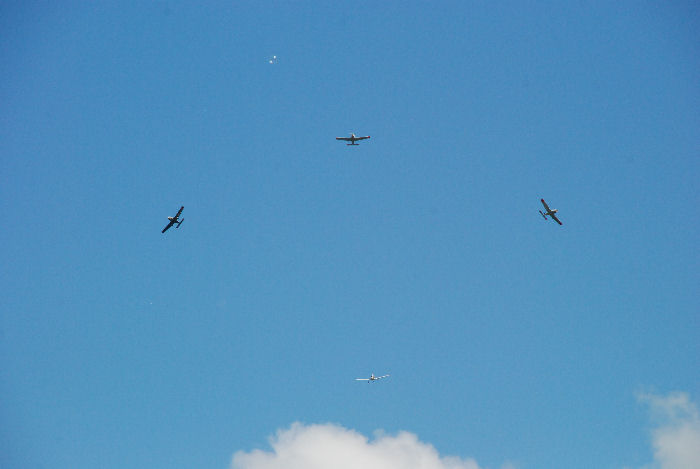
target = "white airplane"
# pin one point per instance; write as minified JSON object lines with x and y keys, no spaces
{"x":549,"y":212}
{"x":371,"y":378}
{"x":352,"y":139}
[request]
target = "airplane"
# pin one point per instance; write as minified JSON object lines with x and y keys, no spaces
{"x":352,"y":139}
{"x":371,"y":378}
{"x":174,"y":220}
{"x":549,"y":212}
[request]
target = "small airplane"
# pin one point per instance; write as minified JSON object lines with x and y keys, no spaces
{"x":549,"y":212}
{"x":352,"y":139}
{"x":371,"y":378}
{"x":174,"y":220}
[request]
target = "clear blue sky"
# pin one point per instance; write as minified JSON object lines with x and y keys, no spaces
{"x":303,"y":263}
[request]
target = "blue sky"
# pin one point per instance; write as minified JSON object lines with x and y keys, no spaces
{"x":303,"y":263}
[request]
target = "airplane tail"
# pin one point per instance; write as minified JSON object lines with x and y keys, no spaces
{"x":179,"y":223}
{"x":545,"y":216}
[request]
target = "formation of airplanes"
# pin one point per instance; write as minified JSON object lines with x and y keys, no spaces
{"x":352,"y":139}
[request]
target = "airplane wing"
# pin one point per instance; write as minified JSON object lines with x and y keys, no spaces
{"x":380,"y":377}
{"x":180,"y":211}
{"x":361,"y":379}
{"x":545,"y":204}
{"x":345,"y":138}
{"x":172,"y":222}
{"x":362,"y":138}
{"x":554,"y":217}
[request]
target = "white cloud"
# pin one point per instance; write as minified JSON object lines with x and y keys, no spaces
{"x":332,"y":446}
{"x":676,"y":439}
